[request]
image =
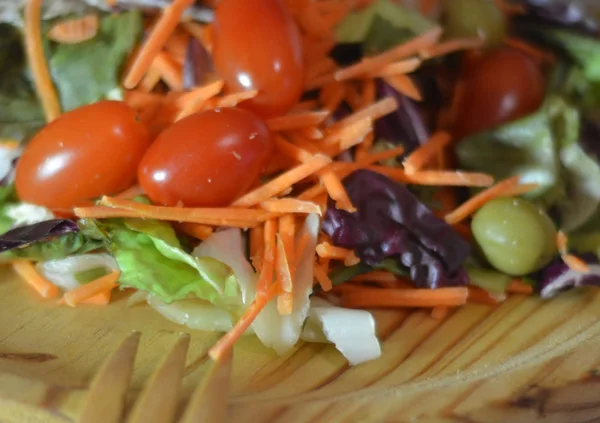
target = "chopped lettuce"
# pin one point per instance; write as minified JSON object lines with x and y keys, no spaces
{"x":152,"y":260}
{"x":193,"y":313}
{"x":66,"y":273}
{"x":90,"y":71}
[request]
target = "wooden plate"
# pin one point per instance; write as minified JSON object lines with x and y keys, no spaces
{"x":525,"y":361}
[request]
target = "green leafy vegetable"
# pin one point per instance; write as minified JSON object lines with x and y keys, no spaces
{"x":86,"y":276}
{"x":57,"y":248}
{"x":90,"y":71}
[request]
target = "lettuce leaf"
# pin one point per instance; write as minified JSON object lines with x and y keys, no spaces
{"x":90,"y":71}
{"x":152,"y":260}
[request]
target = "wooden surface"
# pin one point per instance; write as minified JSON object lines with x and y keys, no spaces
{"x":525,"y":361}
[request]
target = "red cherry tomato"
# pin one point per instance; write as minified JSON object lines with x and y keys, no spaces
{"x":501,"y":86}
{"x":85,"y":153}
{"x":257,"y":46}
{"x":207,"y":159}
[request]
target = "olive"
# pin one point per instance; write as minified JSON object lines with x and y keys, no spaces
{"x":474,"y":18}
{"x":515,"y":236}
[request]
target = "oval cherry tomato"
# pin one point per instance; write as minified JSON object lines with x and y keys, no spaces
{"x":257,"y":46}
{"x":501,"y":86}
{"x":207,"y":159}
{"x":85,"y":153}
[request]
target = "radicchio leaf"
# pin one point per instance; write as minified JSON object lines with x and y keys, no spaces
{"x":558,"y":277}
{"x":567,"y":14}
{"x":25,"y":235}
{"x":391,"y":222}
{"x":197,"y":65}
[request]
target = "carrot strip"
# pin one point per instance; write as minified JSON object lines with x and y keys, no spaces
{"x":377,"y":297}
{"x":452,"y":46}
{"x":517,"y":286}
{"x":282,"y":182}
{"x":436,"y":177}
{"x":348,"y":137}
{"x":193,"y":101}
{"x":95,"y":212}
{"x":195,"y":230}
{"x":234,"y":99}
{"x":419,"y":157}
{"x":76,"y":30}
{"x":374,"y":111}
{"x":287,"y":232}
{"x":102,"y":298}
{"x":381,"y":156}
{"x":284,"y":279}
{"x":151,"y":79}
{"x":200,"y":32}
{"x":575,"y":263}
{"x":327,"y":250}
{"x":369,"y":93}
{"x":177,"y":45}
{"x":335,"y":189}
{"x":439,"y":313}
{"x":269,"y":252}
{"x":226,"y":342}
{"x":290,"y":205}
{"x":353,"y":96}
{"x":296,"y":121}
{"x":26,"y":270}
{"x":322,"y":277}
{"x":520,"y":189}
{"x":156,"y":41}
{"x":299,"y":248}
{"x":332,"y":96}
{"x":404,"y":85}
{"x":257,"y":246}
{"x":477,"y":201}
{"x":400,"y":67}
{"x":481,"y":296}
{"x":326,"y":65}
{"x":170,"y":71}
{"x":561,"y":242}
{"x":84,"y":292}
{"x":411,"y":47}
{"x":37,"y":60}
{"x":131,"y":192}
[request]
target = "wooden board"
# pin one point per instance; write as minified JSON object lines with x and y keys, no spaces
{"x":525,"y":361}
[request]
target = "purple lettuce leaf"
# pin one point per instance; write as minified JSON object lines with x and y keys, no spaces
{"x":566,"y":14}
{"x":406,"y":125}
{"x":558,"y":277}
{"x":25,"y":235}
{"x":197,"y":64}
{"x":390,"y":222}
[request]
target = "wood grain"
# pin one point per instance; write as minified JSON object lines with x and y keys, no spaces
{"x":525,"y":361}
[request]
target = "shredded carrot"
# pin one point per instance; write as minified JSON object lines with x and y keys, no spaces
{"x":195,"y":230}
{"x":193,"y":101}
{"x":397,"y":68}
{"x":202,"y":33}
{"x":290,"y":150}
{"x":378,"y":297}
{"x":327,"y":250}
{"x":335,"y":189}
{"x":403,"y":84}
{"x":232,"y":100}
{"x":102,"y":298}
{"x":257,"y":246}
{"x":374,"y":63}
{"x":90,"y":289}
{"x":575,"y":263}
{"x":296,"y":121}
{"x":75,"y":30}
{"x":170,"y":71}
{"x":151,"y":79}
{"x":177,"y":45}
{"x":322,"y":277}
{"x":299,"y":248}
{"x":282,"y":182}
{"x":290,"y":205}
{"x":284,"y":279}
{"x":517,"y":286}
{"x":481,"y":296}
{"x":439,"y":313}
{"x":561,"y":242}
{"x":530,"y":50}
{"x":287,"y":232}
{"x":325,"y":65}
{"x":419,"y":157}
{"x":156,"y":41}
{"x":436,"y":177}
{"x":520,"y":190}
{"x":375,"y":111}
{"x":26,"y":270}
{"x":452,"y":46}
{"x":226,"y":342}
{"x":332,"y":96}
{"x":477,"y":201}
{"x":131,"y":192}
{"x":37,"y":60}
{"x":269,"y":257}
{"x":347,"y":137}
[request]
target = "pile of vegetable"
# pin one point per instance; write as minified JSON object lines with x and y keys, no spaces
{"x":279,"y":167}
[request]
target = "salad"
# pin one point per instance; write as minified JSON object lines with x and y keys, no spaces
{"x":278,"y":168}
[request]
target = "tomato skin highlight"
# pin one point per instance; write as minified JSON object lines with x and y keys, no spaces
{"x":85,"y":153}
{"x":208,"y":159}
{"x":257,"y":46}
{"x":502,"y":86}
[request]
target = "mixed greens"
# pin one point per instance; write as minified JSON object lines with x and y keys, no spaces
{"x":395,"y":229}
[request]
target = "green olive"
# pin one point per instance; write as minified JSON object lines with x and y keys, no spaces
{"x":472,"y":18}
{"x":515,"y":235}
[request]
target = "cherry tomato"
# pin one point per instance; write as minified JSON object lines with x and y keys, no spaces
{"x":257,"y":46}
{"x":207,"y":159}
{"x":501,"y":86}
{"x":85,"y":153}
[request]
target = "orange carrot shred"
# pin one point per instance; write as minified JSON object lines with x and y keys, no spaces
{"x":436,"y":177}
{"x":102,"y":298}
{"x":283,"y":181}
{"x":477,"y":201}
{"x":517,"y":286}
{"x":327,"y":250}
{"x":156,"y":41}
{"x":195,"y":230}
{"x":37,"y":60}
{"x":84,"y":292}
{"x":75,"y":30}
{"x":378,"y":297}
{"x":419,"y":157}
{"x":284,"y":278}
{"x":452,"y":46}
{"x":481,"y":296}
{"x":170,"y":71}
{"x":257,"y":246}
{"x":290,"y":205}
{"x":296,"y":121}
{"x":335,"y":189}
{"x":269,"y":257}
{"x":375,"y":111}
{"x":232,"y":100}
{"x":193,"y":101}
{"x":322,"y":277}
{"x":41,"y":285}
{"x":131,"y":192}
{"x":575,"y":263}
{"x":395,"y":68}
{"x":403,"y":84}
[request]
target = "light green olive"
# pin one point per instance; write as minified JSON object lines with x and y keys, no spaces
{"x":515,"y":236}
{"x":472,"y":18}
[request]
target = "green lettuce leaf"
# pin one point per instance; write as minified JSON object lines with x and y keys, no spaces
{"x":381,"y":25}
{"x":64,"y":246}
{"x":152,"y":260}
{"x":90,"y":71}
